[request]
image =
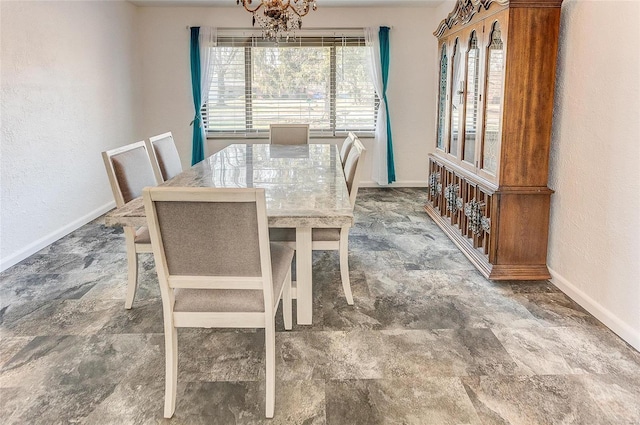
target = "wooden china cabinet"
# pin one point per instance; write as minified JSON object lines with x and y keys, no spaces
{"x":488,"y":175}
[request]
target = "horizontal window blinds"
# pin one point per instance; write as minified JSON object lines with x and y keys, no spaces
{"x":323,"y":81}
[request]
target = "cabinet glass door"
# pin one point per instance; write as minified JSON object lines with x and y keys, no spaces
{"x":471,"y":101}
{"x":442,"y":97}
{"x":493,"y":100}
{"x":457,"y":92}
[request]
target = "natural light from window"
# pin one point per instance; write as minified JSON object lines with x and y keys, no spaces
{"x":322,"y":81}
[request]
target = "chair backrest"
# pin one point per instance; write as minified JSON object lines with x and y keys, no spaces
{"x":346,"y":147}
{"x":164,"y":156}
{"x":210,"y":238}
{"x":289,"y":134}
{"x":129,"y":170}
{"x":352,"y":169}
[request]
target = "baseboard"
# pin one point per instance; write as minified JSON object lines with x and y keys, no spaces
{"x":404,"y":183}
{"x":36,"y":246}
{"x":622,"y":329}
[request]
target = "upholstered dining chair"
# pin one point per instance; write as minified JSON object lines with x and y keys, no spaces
{"x":164,"y":156}
{"x":217,"y":268}
{"x":289,"y":134}
{"x":334,"y":239}
{"x":346,"y":146}
{"x":129,"y":170}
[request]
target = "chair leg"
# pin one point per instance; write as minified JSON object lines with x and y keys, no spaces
{"x":132,"y":280}
{"x":344,"y":265}
{"x":171,"y":369}
{"x":270,"y":361}
{"x":286,"y":303}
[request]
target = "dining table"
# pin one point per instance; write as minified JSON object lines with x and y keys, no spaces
{"x":305,"y":188}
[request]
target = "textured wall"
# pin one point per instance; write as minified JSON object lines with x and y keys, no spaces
{"x":594,"y":249}
{"x":67,"y":94}
{"x":412,"y":80}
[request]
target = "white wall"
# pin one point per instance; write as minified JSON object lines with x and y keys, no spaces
{"x":411,"y":92}
{"x":68,"y":93}
{"x":594,"y":249}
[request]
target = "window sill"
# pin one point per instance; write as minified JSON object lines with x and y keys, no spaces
{"x":266,"y":138}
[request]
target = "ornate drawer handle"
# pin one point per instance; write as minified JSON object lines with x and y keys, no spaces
{"x":477,"y":221}
{"x":485,"y":222}
{"x":435,"y":187}
{"x":451,"y":195}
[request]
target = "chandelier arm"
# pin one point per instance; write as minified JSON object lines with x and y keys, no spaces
{"x":295,"y":10}
{"x":244,"y":4}
{"x":299,"y":14}
{"x":280,"y":15}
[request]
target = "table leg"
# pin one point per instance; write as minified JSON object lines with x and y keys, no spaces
{"x":304,"y":284}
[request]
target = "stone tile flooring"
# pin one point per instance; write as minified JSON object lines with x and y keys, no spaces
{"x":429,"y":341}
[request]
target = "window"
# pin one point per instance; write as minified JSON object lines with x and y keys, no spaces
{"x":323,"y":81}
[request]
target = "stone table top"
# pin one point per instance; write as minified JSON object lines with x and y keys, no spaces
{"x":304,"y":184}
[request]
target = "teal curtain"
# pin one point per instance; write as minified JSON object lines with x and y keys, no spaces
{"x":384,"y":57}
{"x":197,"y":146}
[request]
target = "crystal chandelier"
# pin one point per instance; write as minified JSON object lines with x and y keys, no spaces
{"x":279,"y":17}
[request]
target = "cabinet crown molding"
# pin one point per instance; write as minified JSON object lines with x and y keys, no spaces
{"x":465,"y":10}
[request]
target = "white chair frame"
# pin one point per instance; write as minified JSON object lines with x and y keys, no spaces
{"x":168,"y":282}
{"x":130,"y":233}
{"x":353,"y":193}
{"x":342,"y":245}
{"x":346,"y":146}
{"x":153,"y":155}
{"x":279,"y":128}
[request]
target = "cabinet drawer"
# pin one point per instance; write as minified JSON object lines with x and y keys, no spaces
{"x":464,"y":205}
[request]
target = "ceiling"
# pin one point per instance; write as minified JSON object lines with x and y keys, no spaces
{"x":321,"y":3}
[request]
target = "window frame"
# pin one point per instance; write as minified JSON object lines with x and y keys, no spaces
{"x":322,"y":38}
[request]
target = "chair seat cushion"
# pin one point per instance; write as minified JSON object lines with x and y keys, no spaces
{"x":234,"y":300}
{"x":318,"y":234}
{"x":281,"y":258}
{"x":277,"y":234}
{"x":325,"y":234}
{"x":142,"y":235}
